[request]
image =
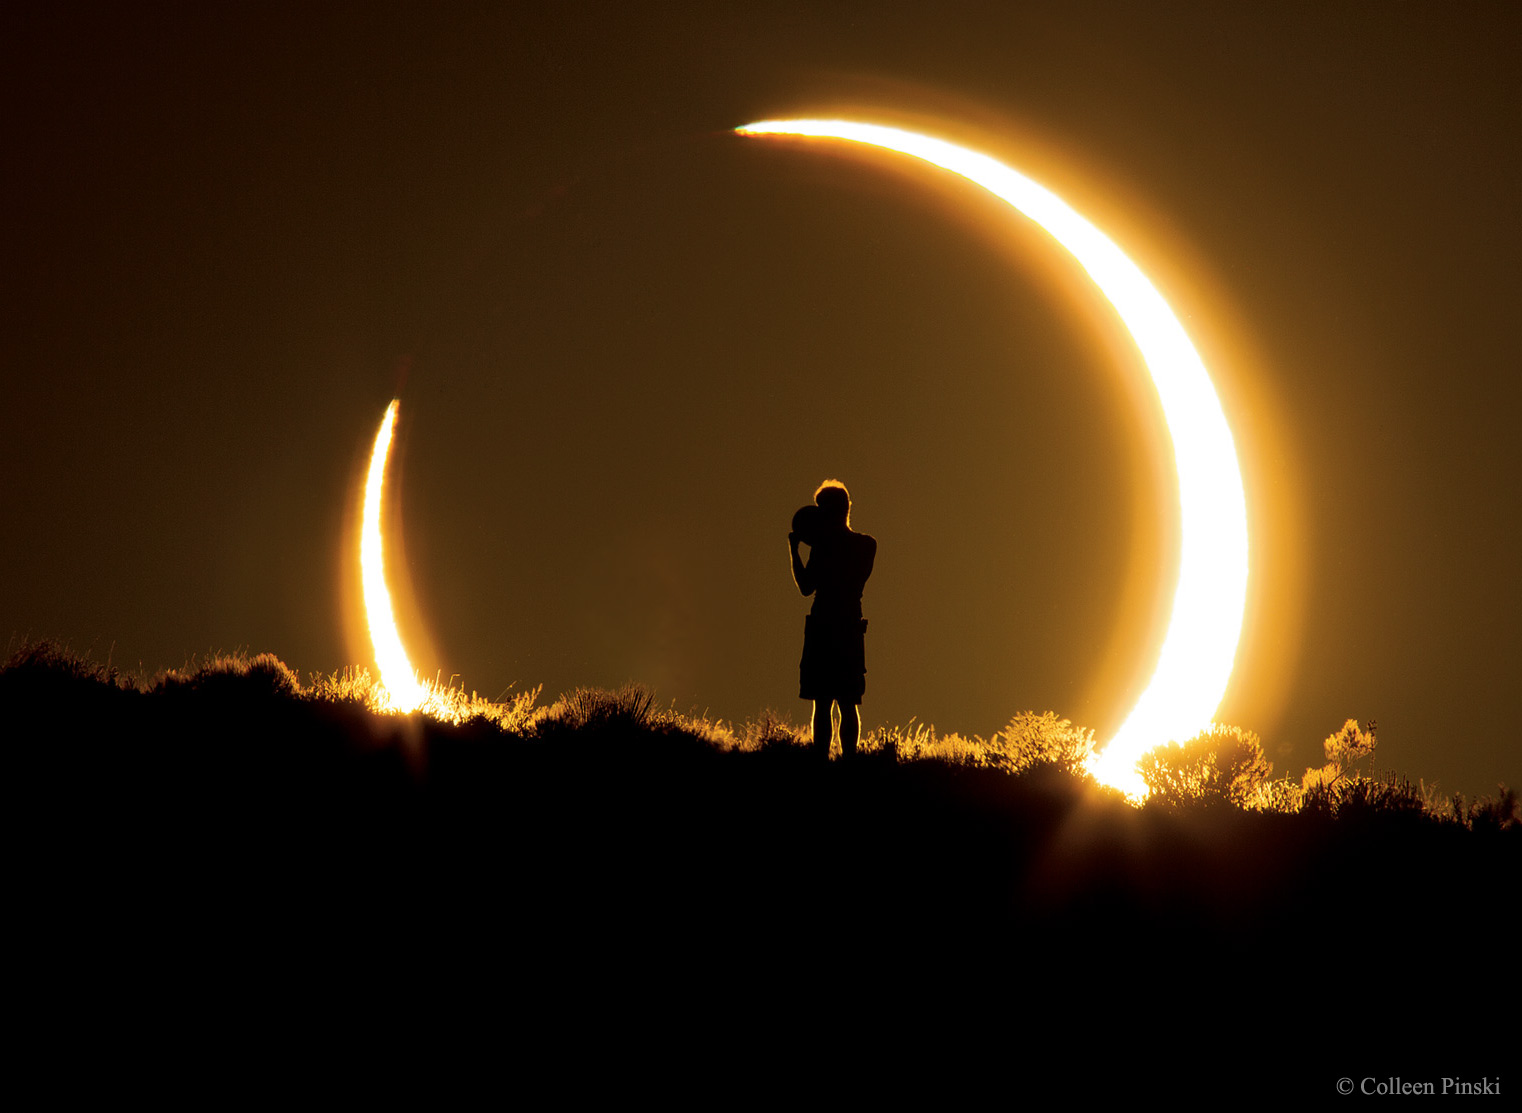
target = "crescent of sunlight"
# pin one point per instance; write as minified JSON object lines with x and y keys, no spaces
{"x":403,"y":692}
{"x":1200,"y":647}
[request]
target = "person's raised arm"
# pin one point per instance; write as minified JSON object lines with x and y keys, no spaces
{"x":801,"y":575}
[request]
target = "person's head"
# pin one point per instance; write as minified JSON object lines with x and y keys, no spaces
{"x":833,"y":498}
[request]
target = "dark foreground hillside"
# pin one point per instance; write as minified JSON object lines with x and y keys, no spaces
{"x":219,"y":885}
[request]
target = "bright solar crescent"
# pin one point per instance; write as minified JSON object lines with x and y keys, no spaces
{"x":1200,"y":646}
{"x":399,"y":681}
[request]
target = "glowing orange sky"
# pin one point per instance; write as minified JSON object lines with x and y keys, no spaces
{"x":219,"y":273}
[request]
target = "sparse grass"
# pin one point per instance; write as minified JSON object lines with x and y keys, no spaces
{"x":353,"y":685}
{"x":770,"y":731}
{"x":50,"y":665}
{"x":1222,"y":765}
{"x":920,"y":742}
{"x":444,"y":702}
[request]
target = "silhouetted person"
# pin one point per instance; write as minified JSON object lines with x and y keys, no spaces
{"x":834,"y":665}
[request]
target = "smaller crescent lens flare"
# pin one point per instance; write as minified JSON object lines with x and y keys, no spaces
{"x":1201,"y":644}
{"x":402,"y":692}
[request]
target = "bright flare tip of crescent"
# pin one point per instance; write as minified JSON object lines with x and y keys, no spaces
{"x":398,"y":678}
{"x":1200,"y":646}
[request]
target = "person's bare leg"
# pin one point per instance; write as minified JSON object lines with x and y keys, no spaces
{"x":850,"y":728}
{"x":823,"y":728}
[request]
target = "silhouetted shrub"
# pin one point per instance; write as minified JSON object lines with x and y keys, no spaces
{"x":1343,"y":748}
{"x":1487,"y":815}
{"x":1222,"y":764}
{"x":264,"y":675}
{"x":1367,"y":796}
{"x":1501,"y":814}
{"x":631,"y":707}
{"x":1339,"y":786}
{"x":1031,"y":740}
{"x":47,"y":665}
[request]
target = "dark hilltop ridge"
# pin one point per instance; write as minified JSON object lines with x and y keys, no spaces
{"x":229,"y":867}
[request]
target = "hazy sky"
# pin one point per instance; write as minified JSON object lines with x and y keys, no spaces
{"x":629,"y":345}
